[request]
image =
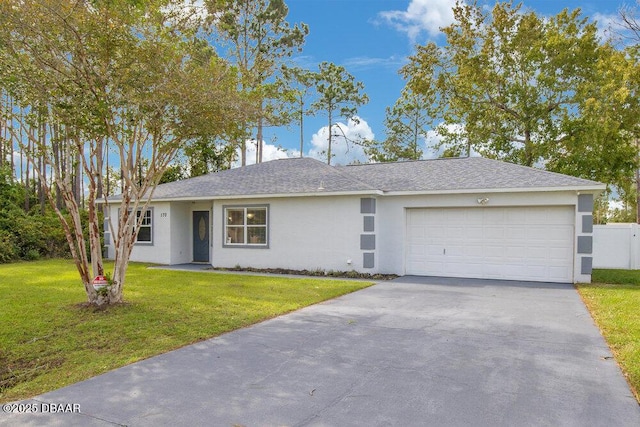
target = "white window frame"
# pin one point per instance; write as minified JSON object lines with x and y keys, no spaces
{"x":149,"y":212}
{"x":245,"y":227}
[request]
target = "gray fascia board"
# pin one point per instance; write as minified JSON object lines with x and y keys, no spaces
{"x":267,"y":196}
{"x":589,"y":189}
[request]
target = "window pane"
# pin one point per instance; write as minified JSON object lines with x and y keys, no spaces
{"x":144,"y":235}
{"x":256,"y":216}
{"x":257,"y":235}
{"x":147,"y":217}
{"x":235,"y":216}
{"x":235,"y":234}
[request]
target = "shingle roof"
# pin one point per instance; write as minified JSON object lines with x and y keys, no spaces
{"x":285,"y":176}
{"x":308,"y":176}
{"x":460,"y":174}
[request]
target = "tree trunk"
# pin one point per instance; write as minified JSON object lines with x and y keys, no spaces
{"x":77,"y":179}
{"x":99,"y":169}
{"x":27,"y":188}
{"x":330,"y":137}
{"x":528,"y":148}
{"x":3,"y":125}
{"x":259,"y":142}
{"x":43,"y":167}
{"x":301,"y":128}
{"x":638,"y":183}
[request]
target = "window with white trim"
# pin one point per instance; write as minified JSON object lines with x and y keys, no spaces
{"x":246,"y":226}
{"x":145,"y":234}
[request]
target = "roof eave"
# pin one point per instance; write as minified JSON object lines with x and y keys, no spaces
{"x":577,"y":189}
{"x":266,"y":195}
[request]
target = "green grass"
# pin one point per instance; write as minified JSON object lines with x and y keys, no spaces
{"x":613,"y":298}
{"x":48,"y":339}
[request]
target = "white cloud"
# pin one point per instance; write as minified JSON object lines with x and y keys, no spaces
{"x":343,"y":152}
{"x":191,"y":11}
{"x":269,"y":152}
{"x":20,"y":163}
{"x":611,"y":27}
{"x":434,"y":137}
{"x":607,"y":25}
{"x":421,"y":16}
{"x":366,"y":62}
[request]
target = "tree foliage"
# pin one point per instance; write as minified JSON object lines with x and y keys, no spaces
{"x":339,"y":94}
{"x":531,"y":90}
{"x":129,"y":73}
{"x":259,"y":39}
{"x":407,"y":124}
{"x":26,"y":234}
{"x":299,"y":84}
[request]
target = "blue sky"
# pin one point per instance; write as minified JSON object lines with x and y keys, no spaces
{"x":372,"y":40}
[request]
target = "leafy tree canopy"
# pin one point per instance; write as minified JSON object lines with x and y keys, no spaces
{"x":532,"y":90}
{"x":131,"y":73}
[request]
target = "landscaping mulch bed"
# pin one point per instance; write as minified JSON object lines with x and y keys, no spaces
{"x":315,"y":273}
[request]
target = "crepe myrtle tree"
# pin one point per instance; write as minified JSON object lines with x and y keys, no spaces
{"x":124,"y":72}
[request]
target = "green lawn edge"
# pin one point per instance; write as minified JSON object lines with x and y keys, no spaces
{"x":613,"y":299}
{"x":50,"y":339}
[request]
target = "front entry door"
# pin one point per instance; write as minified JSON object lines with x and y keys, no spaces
{"x":201,"y":236}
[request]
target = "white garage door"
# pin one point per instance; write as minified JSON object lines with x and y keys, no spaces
{"x":528,"y":243}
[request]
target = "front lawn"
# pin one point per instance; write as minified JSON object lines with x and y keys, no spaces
{"x":48,"y":339}
{"x":614,"y":302}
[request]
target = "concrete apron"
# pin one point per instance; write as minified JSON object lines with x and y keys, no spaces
{"x":412,"y":352}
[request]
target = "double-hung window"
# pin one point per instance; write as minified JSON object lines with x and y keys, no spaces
{"x":246,"y":226}
{"x":145,"y":234}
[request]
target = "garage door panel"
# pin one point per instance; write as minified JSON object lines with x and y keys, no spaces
{"x":536,"y":253}
{"x":558,"y":255}
{"x":491,"y":215}
{"x":495,"y":231}
{"x":475,"y":232}
{"x":474,"y":251}
{"x":494,"y":252}
{"x":470,"y":269}
{"x":515,"y":234}
{"x":524,"y":243}
{"x":558,"y":273}
{"x":517,"y":252}
{"x":420,"y":250}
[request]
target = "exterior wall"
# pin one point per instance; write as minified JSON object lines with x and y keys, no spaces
{"x":172,"y":233}
{"x":159,"y":250}
{"x":584,"y":239}
{"x":342,"y":233}
{"x":304,"y":233}
{"x":180,"y":233}
{"x":391,"y":220}
{"x":616,"y":246}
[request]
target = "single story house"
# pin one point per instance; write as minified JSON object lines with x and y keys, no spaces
{"x":456,"y":217}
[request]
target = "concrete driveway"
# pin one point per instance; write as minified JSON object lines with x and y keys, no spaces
{"x":411,"y":352}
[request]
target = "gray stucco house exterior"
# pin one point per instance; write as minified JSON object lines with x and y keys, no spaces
{"x":455,"y":217}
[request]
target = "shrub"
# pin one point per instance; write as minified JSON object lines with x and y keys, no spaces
{"x":32,"y":255}
{"x":7,"y":248}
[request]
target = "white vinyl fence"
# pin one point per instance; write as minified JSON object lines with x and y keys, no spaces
{"x":616,"y":246}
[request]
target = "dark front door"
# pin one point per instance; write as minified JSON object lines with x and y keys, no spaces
{"x":201,"y":236}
